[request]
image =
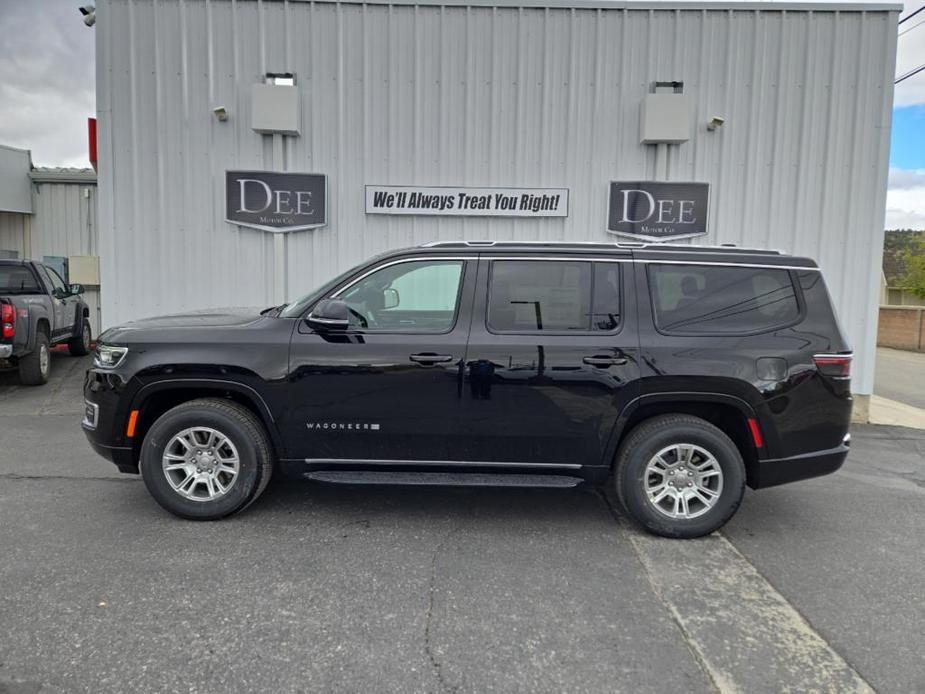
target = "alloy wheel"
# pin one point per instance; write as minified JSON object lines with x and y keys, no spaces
{"x":683,"y":481}
{"x":201,"y":464}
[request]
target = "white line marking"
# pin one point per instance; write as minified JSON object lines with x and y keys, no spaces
{"x":745,"y":633}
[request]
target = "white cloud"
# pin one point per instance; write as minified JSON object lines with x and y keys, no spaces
{"x":901,"y":179}
{"x":905,"y":199}
{"x":46,"y":80}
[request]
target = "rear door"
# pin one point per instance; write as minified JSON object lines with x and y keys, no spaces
{"x":552,"y":358}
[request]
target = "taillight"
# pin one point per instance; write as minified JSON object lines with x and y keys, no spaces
{"x":8,"y":320}
{"x":833,"y":365}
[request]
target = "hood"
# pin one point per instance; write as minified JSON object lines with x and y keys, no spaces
{"x":207,"y":318}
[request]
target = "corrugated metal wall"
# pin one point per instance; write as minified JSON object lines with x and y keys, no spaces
{"x":65,"y":224}
{"x":483,"y":96}
{"x":13,"y":227}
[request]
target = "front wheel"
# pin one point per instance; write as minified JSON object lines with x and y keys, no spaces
{"x":679,"y":476}
{"x":206,"y":459}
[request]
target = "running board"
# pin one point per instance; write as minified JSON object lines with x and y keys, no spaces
{"x":457,"y":479}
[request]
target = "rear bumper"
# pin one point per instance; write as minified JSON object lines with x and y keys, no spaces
{"x":770,"y":473}
{"x":6,"y":351}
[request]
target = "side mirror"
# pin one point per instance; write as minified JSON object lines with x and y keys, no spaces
{"x":390,"y":298}
{"x":328,"y":315}
{"x":76,"y":289}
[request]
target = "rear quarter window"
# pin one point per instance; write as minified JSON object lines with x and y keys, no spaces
{"x":720,"y":300}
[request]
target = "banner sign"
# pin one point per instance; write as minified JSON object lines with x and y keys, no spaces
{"x":276,"y":201}
{"x":656,"y":210}
{"x":467,"y":202}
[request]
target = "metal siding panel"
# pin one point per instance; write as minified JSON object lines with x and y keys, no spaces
{"x":483,"y":96}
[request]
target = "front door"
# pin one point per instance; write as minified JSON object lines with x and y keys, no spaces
{"x":552,"y":358}
{"x":390,"y":387}
{"x":65,"y":309}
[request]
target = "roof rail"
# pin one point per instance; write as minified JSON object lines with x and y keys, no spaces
{"x":727,"y":247}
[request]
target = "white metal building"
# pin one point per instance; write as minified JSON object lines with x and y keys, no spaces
{"x":50,"y":215}
{"x":531,"y":94}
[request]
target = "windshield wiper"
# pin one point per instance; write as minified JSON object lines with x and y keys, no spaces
{"x":271,"y":309}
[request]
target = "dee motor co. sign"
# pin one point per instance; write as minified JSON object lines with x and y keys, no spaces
{"x":276,"y":201}
{"x":655,"y":210}
{"x":467,"y":202}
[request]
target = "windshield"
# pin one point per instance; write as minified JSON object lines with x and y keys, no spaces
{"x":297,"y":307}
{"x":18,"y":279}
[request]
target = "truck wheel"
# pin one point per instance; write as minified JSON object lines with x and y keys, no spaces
{"x":206,"y":459}
{"x":679,"y":476}
{"x":79,"y":345}
{"x":35,"y":366}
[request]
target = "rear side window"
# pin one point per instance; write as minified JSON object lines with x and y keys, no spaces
{"x":17,"y":279}
{"x":714,"y":300}
{"x":553,"y":296}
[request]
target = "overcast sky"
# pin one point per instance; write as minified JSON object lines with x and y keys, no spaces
{"x":47,"y":82}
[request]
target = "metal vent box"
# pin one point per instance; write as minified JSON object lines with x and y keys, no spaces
{"x":664,"y":118}
{"x":275,"y":109}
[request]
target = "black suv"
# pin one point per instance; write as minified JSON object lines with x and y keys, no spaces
{"x":682,"y":373}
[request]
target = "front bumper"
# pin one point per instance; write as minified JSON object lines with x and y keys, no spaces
{"x":123,"y":458}
{"x":775,"y":471}
{"x":104,"y":420}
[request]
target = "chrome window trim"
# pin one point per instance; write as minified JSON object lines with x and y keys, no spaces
{"x":657,"y":261}
{"x":412,"y":259}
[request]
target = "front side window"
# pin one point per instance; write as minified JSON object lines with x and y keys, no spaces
{"x":711,"y":300}
{"x":418,"y":296}
{"x":56,"y":281}
{"x":553,"y":296}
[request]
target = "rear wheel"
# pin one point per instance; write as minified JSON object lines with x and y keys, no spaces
{"x":35,"y":367}
{"x":679,"y":476}
{"x":206,"y":459}
{"x":79,"y":345}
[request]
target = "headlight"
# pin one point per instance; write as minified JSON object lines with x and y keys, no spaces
{"x":108,"y":357}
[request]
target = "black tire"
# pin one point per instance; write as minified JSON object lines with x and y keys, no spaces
{"x":79,"y":345}
{"x":655,"y":435}
{"x":240,"y":426}
{"x":35,"y":367}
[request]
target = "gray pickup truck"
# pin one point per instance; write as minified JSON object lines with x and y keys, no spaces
{"x":38,"y":310}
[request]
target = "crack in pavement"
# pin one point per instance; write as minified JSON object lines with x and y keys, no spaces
{"x":428,"y":618}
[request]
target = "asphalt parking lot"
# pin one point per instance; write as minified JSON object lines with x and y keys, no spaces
{"x":812,"y":587}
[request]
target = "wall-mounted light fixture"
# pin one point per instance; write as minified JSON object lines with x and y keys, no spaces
{"x":89,"y":14}
{"x":715,"y":122}
{"x":221,"y":113}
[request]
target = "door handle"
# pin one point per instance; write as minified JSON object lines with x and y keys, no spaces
{"x":431,"y":358}
{"x":604,"y":361}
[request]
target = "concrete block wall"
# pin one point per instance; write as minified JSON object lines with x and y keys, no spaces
{"x":902,"y":327}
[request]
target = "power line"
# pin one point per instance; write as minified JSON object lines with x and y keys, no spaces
{"x":917,"y":24}
{"x":910,"y":16}
{"x":909,"y":74}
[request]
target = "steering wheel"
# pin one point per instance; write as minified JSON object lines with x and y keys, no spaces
{"x":365,"y":321}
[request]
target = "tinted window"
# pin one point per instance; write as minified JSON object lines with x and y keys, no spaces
{"x":556,"y":296}
{"x":704,"y":299}
{"x":420,"y":296}
{"x":17,"y":279}
{"x":56,"y":280}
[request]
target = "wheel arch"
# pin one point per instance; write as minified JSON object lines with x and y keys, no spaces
{"x":154,"y":399}
{"x":728,"y":413}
